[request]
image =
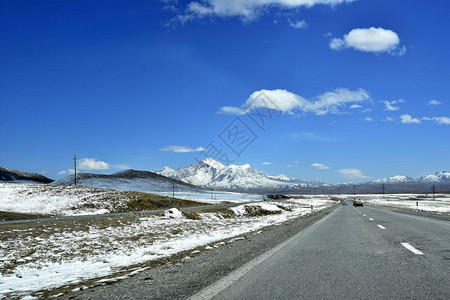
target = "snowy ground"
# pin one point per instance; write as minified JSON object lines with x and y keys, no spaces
{"x":42,"y":256}
{"x":214,"y":197}
{"x":71,"y":200}
{"x":439,"y":204}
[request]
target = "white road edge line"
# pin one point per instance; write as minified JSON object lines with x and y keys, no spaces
{"x":381,"y":226}
{"x":412,"y":249}
{"x":215,"y":288}
{"x":364,"y":215}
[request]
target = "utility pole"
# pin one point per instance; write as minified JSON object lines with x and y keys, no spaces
{"x":434,"y":196}
{"x":75,"y":169}
{"x":383,"y":190}
{"x":354,"y":190}
{"x":212,"y":193}
{"x":173,"y":189}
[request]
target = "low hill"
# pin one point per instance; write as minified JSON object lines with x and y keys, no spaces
{"x":19,"y":176}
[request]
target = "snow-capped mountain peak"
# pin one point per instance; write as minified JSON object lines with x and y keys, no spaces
{"x":395,"y":179}
{"x":280,"y":177}
{"x":442,"y":176}
{"x":166,"y":171}
{"x":213,"y":163}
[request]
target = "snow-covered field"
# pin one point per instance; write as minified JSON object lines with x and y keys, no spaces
{"x":439,"y":204}
{"x":35,"y":257}
{"x":70,"y":200}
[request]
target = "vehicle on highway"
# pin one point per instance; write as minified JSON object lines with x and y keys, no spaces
{"x":357,"y":203}
{"x":344,"y":202}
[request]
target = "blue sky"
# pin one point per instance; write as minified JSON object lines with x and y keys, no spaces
{"x":356,"y":90}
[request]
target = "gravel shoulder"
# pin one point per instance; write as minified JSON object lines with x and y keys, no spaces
{"x":184,"y":274}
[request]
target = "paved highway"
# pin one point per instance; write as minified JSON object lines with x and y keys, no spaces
{"x":353,"y":253}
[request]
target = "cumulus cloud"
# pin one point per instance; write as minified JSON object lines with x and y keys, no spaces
{"x":352,"y":173}
{"x":298,"y":25}
{"x":286,"y":102}
{"x":407,"y":119}
{"x":368,"y":119}
{"x":320,"y":166}
{"x":266,"y":163}
{"x":439,"y":120}
{"x":247,"y":10}
{"x":92,"y":164}
{"x":377,"y":40}
{"x":434,"y":102}
{"x":181,"y":149}
{"x":391,"y":105}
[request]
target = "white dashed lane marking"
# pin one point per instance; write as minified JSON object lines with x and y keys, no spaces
{"x":381,"y":226}
{"x":412,"y":249}
{"x":370,"y":219}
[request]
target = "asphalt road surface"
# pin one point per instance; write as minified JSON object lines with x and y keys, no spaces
{"x":353,"y":253}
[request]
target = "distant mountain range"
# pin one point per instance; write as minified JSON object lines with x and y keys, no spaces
{"x":210,"y":173}
{"x":19,"y":176}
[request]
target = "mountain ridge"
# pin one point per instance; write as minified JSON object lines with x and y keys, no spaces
{"x":17,"y":176}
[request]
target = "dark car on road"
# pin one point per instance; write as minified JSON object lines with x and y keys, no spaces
{"x":357,"y":203}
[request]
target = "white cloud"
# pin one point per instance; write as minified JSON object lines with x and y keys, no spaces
{"x":355,"y":106}
{"x":407,"y":119}
{"x":266,"y":163}
{"x":247,"y":10}
{"x":369,"y":119}
{"x":66,"y":172}
{"x":390,"y":105}
{"x":439,"y":120}
{"x":290,"y":166}
{"x":352,"y":173}
{"x":434,"y":102}
{"x":371,"y":39}
{"x":298,"y":25}
{"x":92,"y":164}
{"x":182,"y":149}
{"x":320,"y":166}
{"x":232,"y":110}
{"x":286,"y":102}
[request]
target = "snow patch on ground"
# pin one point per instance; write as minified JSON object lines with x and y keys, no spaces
{"x":174,"y":213}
